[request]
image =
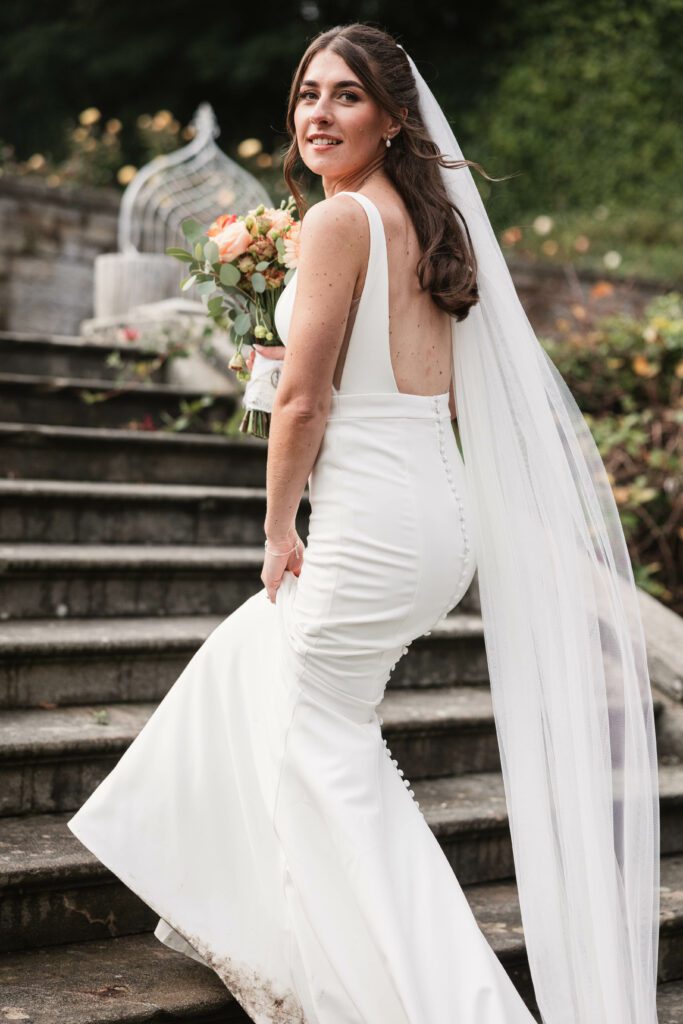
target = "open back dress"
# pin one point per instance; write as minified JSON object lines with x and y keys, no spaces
{"x":259,"y":812}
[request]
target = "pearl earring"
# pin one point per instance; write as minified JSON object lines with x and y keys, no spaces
{"x":388,"y":142}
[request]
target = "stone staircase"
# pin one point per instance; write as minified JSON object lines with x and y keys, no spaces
{"x":120,"y":550}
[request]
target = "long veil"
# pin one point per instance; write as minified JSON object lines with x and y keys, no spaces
{"x":565,"y":647}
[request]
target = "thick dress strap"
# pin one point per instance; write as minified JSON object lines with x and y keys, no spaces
{"x":367,"y":365}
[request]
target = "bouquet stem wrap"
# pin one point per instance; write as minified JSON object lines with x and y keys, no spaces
{"x":258,"y":396}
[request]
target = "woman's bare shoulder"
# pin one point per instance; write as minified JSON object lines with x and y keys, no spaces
{"x":340,"y":215}
{"x":334,"y":232}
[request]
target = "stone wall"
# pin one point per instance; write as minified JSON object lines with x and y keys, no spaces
{"x":550,"y":292}
{"x":49,"y":238}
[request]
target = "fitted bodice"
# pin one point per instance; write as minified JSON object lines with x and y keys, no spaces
{"x":367,"y":366}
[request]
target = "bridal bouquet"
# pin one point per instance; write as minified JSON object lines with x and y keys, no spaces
{"x":248,"y":259}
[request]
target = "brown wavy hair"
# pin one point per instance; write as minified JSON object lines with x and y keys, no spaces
{"x":448,"y":266}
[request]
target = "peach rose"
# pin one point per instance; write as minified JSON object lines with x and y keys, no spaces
{"x":279,"y":219}
{"x":291,"y":240}
{"x":234,"y":240}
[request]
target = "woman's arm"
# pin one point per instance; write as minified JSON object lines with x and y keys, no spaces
{"x":333,"y":241}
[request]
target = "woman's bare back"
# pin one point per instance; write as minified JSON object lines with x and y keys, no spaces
{"x":419,"y":332}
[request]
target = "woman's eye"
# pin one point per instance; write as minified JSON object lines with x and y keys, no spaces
{"x":304,"y":95}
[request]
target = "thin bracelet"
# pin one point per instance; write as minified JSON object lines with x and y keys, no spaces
{"x":295,"y":548}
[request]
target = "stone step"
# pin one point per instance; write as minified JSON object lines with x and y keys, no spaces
{"x":29,"y":451}
{"x":135,"y":979}
{"x":52,"y":759}
{"x":670,"y":1002}
{"x":84,"y":661}
{"x":75,"y":512}
{"x":96,"y":581}
{"x":67,"y":356}
{"x":62,"y":580}
{"x":32,"y":398}
{"x":55,"y":890}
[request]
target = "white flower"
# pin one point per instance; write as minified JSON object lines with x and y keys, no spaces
{"x":543,"y":225}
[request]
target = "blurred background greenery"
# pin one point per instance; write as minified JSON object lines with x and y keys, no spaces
{"x":579,"y":101}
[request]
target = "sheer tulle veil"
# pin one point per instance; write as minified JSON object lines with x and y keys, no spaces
{"x":565,"y":648}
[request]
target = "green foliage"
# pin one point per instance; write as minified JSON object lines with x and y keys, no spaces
{"x":587,"y":110}
{"x":190,"y":414}
{"x":626,"y":375}
{"x":579,"y":103}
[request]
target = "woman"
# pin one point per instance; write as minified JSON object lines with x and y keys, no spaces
{"x":258,"y":812}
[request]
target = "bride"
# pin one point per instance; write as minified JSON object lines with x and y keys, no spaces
{"x":259,"y":813}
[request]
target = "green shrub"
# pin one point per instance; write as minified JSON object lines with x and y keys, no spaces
{"x":626,"y":375}
{"x":585,"y":109}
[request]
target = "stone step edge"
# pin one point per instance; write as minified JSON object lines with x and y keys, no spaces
{"x":147,"y":975}
{"x":86,"y":490}
{"x":22,"y":557}
{"x":117,"y":436}
{"x":73,"y":731}
{"x":75,"y":343}
{"x":49,"y":384}
{"x":47,"y":638}
{"x":39,"y":851}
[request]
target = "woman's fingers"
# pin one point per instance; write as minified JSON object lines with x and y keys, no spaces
{"x":297,"y":559}
{"x":274,"y":566}
{"x":271,"y":351}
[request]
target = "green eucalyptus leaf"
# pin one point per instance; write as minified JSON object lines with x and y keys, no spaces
{"x":191,"y":228}
{"x":258,"y":283}
{"x":229,"y":274}
{"x":263,"y":265}
{"x":180,"y":254}
{"x":188,"y":282}
{"x":206,"y":287}
{"x":242,"y":325}
{"x":211,"y":252}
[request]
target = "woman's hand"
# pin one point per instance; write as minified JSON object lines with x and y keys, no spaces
{"x":274,"y":564}
{"x":269,"y":351}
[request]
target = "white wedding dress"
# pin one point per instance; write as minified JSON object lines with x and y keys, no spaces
{"x":259,"y":812}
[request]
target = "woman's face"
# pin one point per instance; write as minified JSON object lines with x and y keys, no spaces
{"x":332,"y":102}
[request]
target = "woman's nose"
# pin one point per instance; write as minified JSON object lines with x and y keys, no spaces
{"x":320,"y":110}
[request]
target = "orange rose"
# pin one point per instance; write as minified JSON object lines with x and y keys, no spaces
{"x":221,"y":223}
{"x":232,"y":241}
